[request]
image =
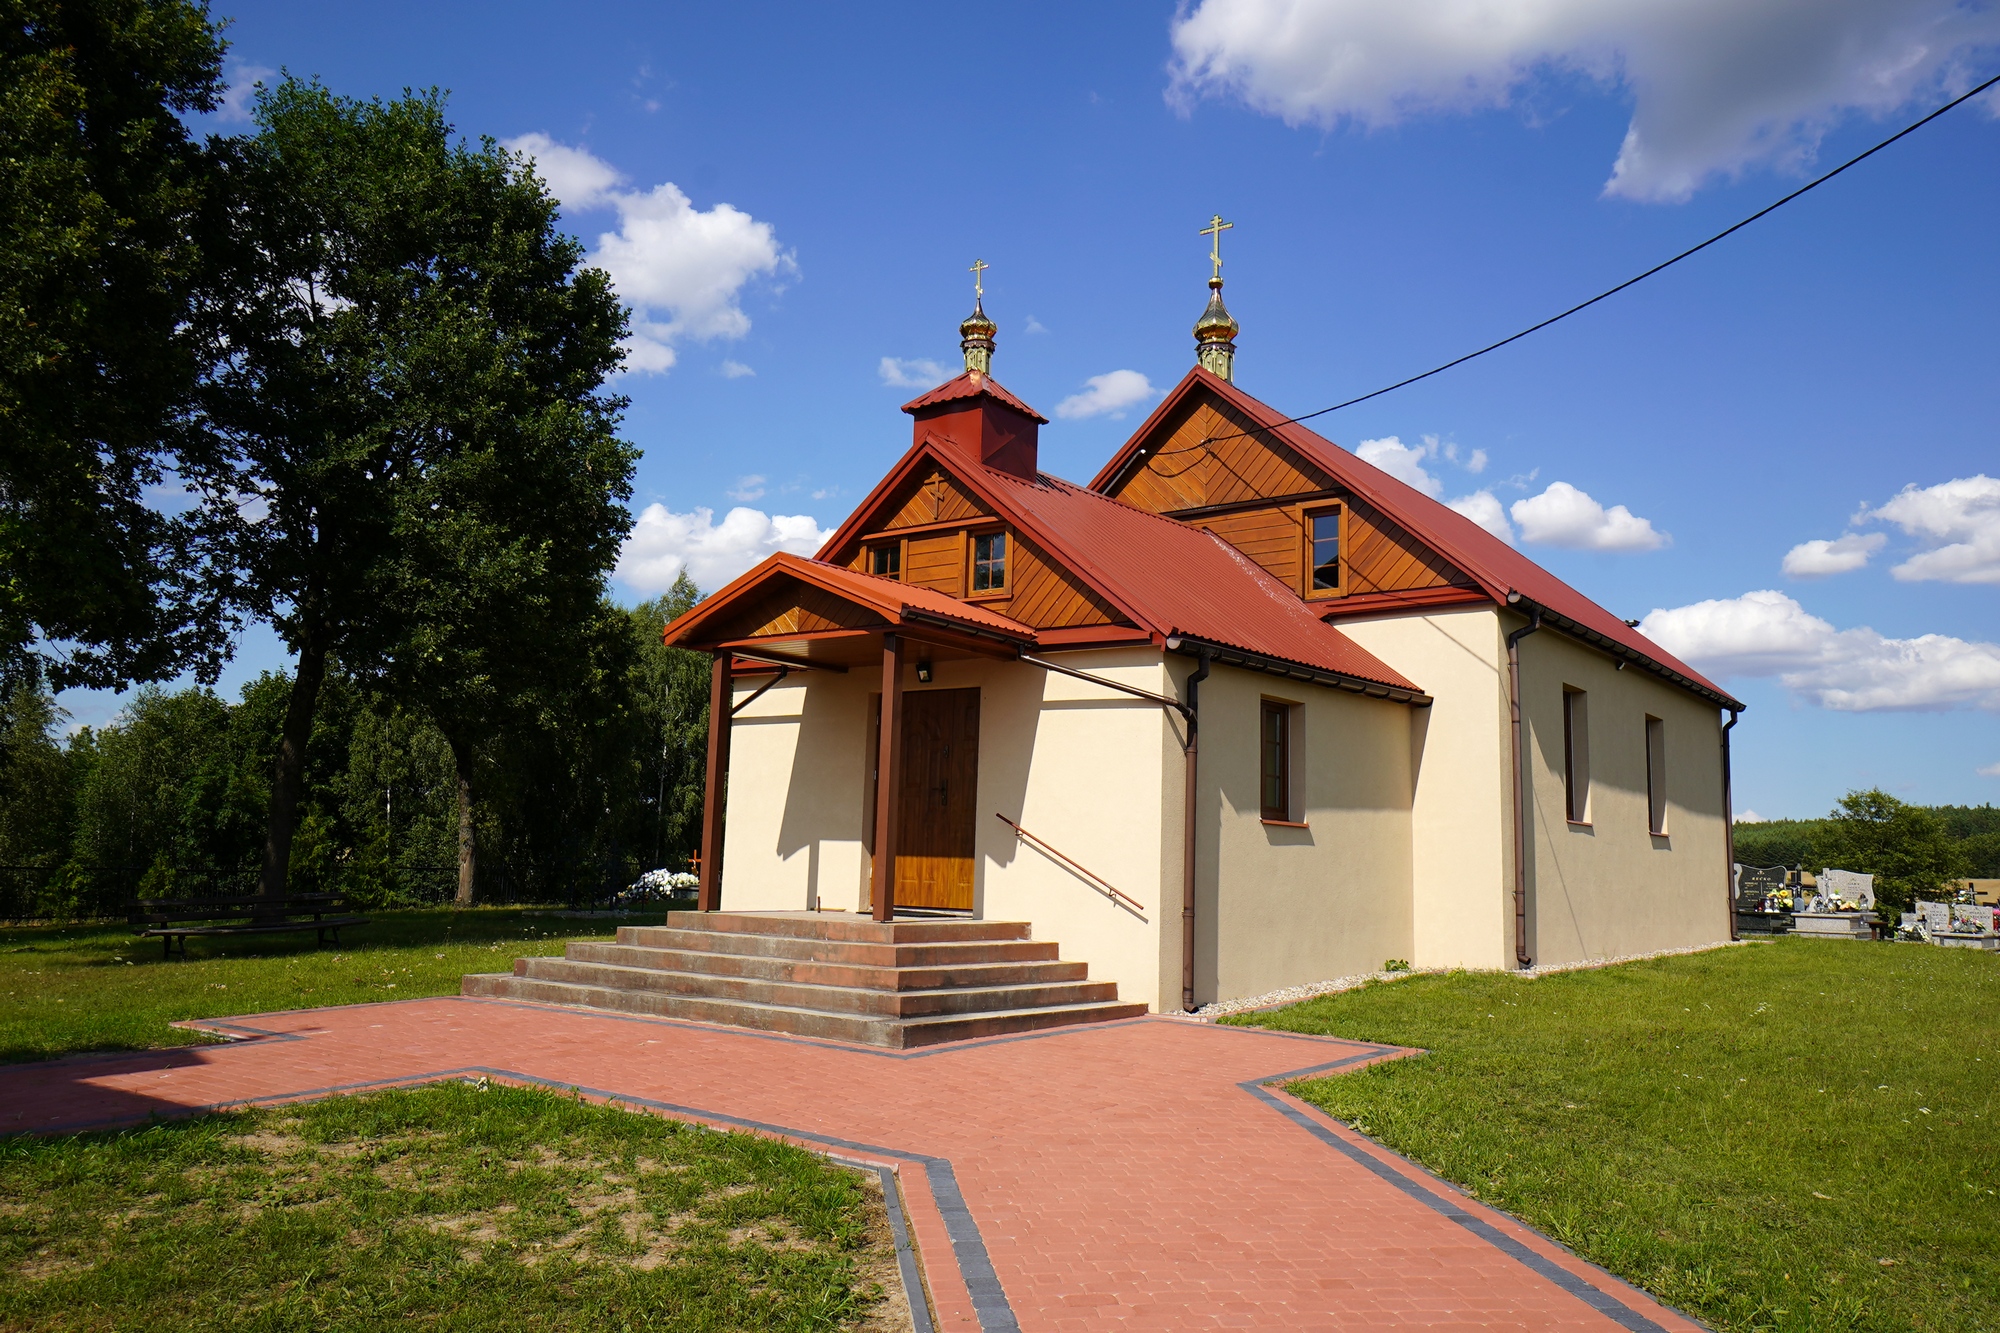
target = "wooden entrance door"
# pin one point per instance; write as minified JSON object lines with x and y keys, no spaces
{"x":940,"y":779}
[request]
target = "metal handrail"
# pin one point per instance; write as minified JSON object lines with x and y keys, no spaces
{"x":1094,"y":880}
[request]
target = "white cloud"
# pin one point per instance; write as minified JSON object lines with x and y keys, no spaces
{"x":578,"y":178}
{"x":735,"y":370}
{"x":1402,"y":461}
{"x":1766,"y":633}
{"x":682,"y":270}
{"x":664,"y":543}
{"x":1562,"y":515}
{"x":1990,"y":771}
{"x":1750,"y":817}
{"x":1717,"y":86}
{"x":1034,"y":326}
{"x":1482,"y":508}
{"x":1474,"y":462}
{"x":916,"y":372}
{"x":1110,"y":394}
{"x":241,"y":98}
{"x":1961,"y":521}
{"x":747,"y":488}
{"x":1817,"y":559}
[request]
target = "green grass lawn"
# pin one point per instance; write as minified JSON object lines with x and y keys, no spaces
{"x":1790,"y":1135}
{"x":95,"y":988}
{"x":446,"y":1208}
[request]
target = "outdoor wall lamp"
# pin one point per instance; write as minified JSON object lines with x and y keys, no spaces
{"x":923,"y":673}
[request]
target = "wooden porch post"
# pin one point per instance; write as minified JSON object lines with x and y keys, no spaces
{"x":888,"y":781}
{"x":721,"y":695}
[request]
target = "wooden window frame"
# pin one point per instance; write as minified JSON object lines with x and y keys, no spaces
{"x":1576,"y":756}
{"x":1306,"y":514}
{"x":1656,"y":776}
{"x":875,"y":549}
{"x":1280,"y":811}
{"x":974,"y":593}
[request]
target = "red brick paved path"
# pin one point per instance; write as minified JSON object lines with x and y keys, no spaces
{"x":1129,"y":1176}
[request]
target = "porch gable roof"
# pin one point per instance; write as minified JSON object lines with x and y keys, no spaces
{"x":883,"y":603}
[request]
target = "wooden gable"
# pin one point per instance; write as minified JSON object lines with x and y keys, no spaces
{"x":932,"y":518}
{"x":1202,"y":456}
{"x":1208,"y":464}
{"x":791,"y":608}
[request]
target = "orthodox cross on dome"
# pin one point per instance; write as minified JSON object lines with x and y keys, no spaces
{"x":1215,"y":332}
{"x":1215,"y":228}
{"x":975,"y":335}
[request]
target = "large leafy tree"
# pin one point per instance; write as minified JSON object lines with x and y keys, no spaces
{"x":102,"y":193}
{"x":1906,"y":847}
{"x":428,"y":487}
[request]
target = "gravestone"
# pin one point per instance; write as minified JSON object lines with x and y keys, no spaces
{"x":1846,"y":886}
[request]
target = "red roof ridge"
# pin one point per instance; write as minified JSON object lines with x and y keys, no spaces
{"x":971,"y":384}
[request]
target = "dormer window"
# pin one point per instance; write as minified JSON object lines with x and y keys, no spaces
{"x":1323,"y":552}
{"x":886,"y":561}
{"x":989,"y":562}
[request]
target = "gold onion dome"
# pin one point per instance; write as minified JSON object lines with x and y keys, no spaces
{"x":1215,"y":334}
{"x":975,"y":337}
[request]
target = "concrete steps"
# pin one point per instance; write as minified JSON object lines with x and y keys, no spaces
{"x":898,"y":984}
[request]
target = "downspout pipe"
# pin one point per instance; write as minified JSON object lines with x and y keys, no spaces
{"x":1192,"y":713}
{"x":1729,"y":823}
{"x":1521,"y":954}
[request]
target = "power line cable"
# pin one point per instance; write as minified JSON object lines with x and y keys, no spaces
{"x":1665,"y":264}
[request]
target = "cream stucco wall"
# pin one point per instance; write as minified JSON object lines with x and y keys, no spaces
{"x":1280,"y":906}
{"x":1609,"y":887}
{"x":1081,"y":766}
{"x":1461,"y":817}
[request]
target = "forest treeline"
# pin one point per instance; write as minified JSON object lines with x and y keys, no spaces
{"x":344,"y":374}
{"x":170,"y":798}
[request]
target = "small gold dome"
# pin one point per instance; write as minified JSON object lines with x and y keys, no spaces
{"x":1215,"y":335}
{"x":975,"y":338}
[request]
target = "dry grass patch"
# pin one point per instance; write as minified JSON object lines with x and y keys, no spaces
{"x":457,"y":1207}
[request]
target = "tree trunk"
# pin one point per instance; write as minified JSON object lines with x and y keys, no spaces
{"x":468,"y":848}
{"x":289,"y":772}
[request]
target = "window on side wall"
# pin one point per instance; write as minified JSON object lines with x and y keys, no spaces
{"x":1323,"y":553}
{"x":1656,"y":776}
{"x":989,"y":562}
{"x":1275,"y":760}
{"x":1576,"y":756}
{"x":886,"y":561}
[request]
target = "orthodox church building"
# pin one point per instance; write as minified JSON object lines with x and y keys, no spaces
{"x":1241,"y":712}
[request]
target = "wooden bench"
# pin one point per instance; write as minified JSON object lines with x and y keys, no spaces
{"x":168,"y":920}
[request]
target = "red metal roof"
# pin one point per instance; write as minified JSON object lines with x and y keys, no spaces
{"x":1178,"y":580}
{"x":1497,"y":567}
{"x":972,"y":384}
{"x":892,"y":600}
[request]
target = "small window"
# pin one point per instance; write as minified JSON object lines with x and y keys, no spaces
{"x":886,"y":560}
{"x":1656,"y":776}
{"x":1323,"y":535}
{"x":989,"y":562}
{"x":1276,"y":764}
{"x":1576,"y":756}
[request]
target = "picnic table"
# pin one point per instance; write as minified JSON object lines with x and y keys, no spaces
{"x":172,"y":921}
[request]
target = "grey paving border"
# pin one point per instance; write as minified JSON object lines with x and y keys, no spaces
{"x":914,"y":1291}
{"x":1541,"y":1265}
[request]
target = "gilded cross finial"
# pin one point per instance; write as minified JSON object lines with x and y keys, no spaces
{"x":1215,"y":228}
{"x":979,"y":267}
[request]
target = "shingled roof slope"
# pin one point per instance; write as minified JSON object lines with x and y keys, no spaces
{"x":1496,"y":566}
{"x":971,"y":384}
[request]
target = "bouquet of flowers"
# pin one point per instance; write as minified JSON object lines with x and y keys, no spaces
{"x":659,"y":885}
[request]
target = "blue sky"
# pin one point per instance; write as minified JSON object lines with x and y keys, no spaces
{"x":791,"y":194}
